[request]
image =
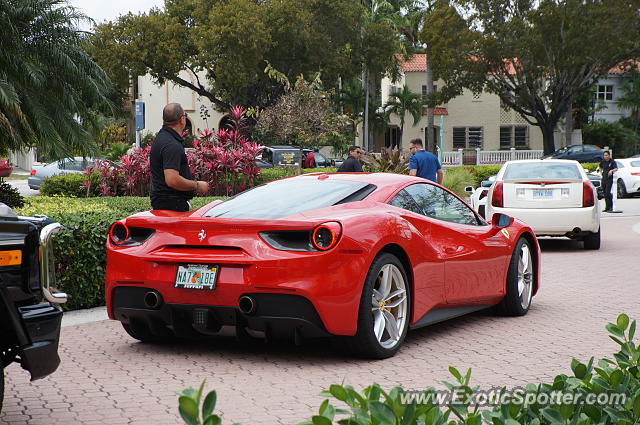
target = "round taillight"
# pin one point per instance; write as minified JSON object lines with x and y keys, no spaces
{"x":325,"y":236}
{"x":119,"y":233}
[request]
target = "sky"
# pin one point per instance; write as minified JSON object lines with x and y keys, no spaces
{"x":107,"y":10}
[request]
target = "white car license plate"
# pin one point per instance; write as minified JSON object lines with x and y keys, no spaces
{"x":542,"y":193}
{"x":197,"y":276}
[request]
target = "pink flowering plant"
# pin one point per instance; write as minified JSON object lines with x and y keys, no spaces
{"x":225,"y":159}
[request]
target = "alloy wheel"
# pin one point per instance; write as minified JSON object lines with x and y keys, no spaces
{"x":389,"y":305}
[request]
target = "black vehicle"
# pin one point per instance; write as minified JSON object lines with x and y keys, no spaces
{"x":288,"y":156}
{"x":580,"y":153}
{"x":30,"y":315}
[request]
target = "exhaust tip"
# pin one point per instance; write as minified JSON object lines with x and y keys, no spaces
{"x":247,"y":305}
{"x":152,"y":299}
{"x":576,"y":230}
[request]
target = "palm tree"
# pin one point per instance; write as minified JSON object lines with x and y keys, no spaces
{"x":403,"y":103}
{"x":351,"y":98}
{"x":50,"y":88}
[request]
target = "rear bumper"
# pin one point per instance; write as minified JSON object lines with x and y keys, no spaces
{"x":281,"y":316}
{"x":553,"y":221}
{"x":42,"y":323}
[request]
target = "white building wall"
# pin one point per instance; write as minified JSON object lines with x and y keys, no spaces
{"x":611,"y":111}
{"x":157,"y":96}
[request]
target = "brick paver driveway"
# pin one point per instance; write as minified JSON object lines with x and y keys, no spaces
{"x":108,"y":378}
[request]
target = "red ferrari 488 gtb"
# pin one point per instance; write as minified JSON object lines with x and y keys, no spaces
{"x":359,"y":257}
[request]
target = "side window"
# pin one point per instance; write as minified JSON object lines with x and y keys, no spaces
{"x":575,"y":149}
{"x":439,"y":204}
{"x":589,"y":148}
{"x":320,"y":159}
{"x":405,"y":201}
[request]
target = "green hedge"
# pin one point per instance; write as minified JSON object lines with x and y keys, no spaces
{"x":80,"y":247}
{"x":70,"y":185}
{"x":269,"y":174}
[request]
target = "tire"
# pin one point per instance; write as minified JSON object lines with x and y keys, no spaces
{"x":592,"y":240}
{"x":381,"y":330}
{"x":622,"y":189}
{"x":520,"y":281}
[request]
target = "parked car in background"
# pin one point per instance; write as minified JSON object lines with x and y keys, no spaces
{"x":628,"y":176}
{"x":63,"y":166}
{"x":580,"y":153}
{"x":288,"y":156}
{"x":30,"y":316}
{"x":5,"y":168}
{"x":555,"y":197}
{"x":402,"y":252}
{"x":478,"y":196}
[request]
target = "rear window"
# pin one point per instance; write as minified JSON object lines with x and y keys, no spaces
{"x":635,"y":163}
{"x":541,"y":170}
{"x":287,"y":197}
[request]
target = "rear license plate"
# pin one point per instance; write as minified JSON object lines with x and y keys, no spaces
{"x":542,"y":193}
{"x":197,"y":276}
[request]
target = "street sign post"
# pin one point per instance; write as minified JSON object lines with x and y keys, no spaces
{"x":139,"y":120}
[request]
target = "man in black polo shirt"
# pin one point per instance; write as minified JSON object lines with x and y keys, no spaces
{"x":607,"y":166}
{"x":352,"y":164}
{"x":171,"y":182}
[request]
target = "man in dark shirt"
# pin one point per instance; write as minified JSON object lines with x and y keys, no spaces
{"x":171,"y":182}
{"x":608,"y":167}
{"x":424,"y":164}
{"x":352,"y":164}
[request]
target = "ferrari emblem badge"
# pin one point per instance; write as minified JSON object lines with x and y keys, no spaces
{"x":505,"y":232}
{"x":202,"y":235}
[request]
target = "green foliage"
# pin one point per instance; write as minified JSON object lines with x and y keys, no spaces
{"x":536,"y":56}
{"x":482,"y":172}
{"x":50,"y":89}
{"x":622,"y":140}
{"x":80,"y":251}
{"x":230,"y":42}
{"x":617,"y":378}
{"x":9,"y":195}
{"x":70,"y":185}
{"x":590,"y":166}
{"x":456,"y":179}
{"x":116,"y":150}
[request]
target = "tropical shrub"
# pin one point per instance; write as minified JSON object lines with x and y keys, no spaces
{"x":80,"y":251}
{"x":9,"y":195}
{"x":613,"y":385}
{"x":481,"y":172}
{"x":270,"y":174}
{"x":388,"y":161}
{"x":71,"y":185}
{"x":456,"y":179}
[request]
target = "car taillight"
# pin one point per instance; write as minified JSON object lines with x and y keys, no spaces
{"x":496,"y":197}
{"x":587,"y":195}
{"x":326,"y":236}
{"x":635,"y":174}
{"x":122,"y":235}
{"x":33,"y":172}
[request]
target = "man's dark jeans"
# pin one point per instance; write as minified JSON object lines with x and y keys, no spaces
{"x":169,"y":203}
{"x":608,"y":197}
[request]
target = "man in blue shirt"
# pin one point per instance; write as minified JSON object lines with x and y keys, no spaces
{"x":424,"y":164}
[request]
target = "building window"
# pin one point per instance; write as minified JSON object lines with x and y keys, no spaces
{"x":476,"y":96}
{"x":424,"y":91}
{"x":514,"y":136}
{"x":604,"y":92}
{"x":467,"y":137}
{"x":394,"y":90}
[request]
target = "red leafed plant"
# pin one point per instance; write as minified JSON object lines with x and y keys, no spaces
{"x":227,"y":159}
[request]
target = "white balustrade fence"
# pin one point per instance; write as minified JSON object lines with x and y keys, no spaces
{"x":457,"y":158}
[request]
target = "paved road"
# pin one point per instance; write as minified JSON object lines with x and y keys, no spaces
{"x":108,"y":378}
{"x":23,"y":187}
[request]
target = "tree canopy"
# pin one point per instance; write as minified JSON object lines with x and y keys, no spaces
{"x":229,"y":42}
{"x":50,"y":88}
{"x":536,"y":55}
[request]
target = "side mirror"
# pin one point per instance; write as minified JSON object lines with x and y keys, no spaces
{"x":500,"y":220}
{"x":468,"y":189}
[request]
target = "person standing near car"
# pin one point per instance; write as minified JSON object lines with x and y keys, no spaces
{"x":172,"y":184}
{"x":607,"y":167}
{"x":352,"y":164}
{"x":424,"y":164}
